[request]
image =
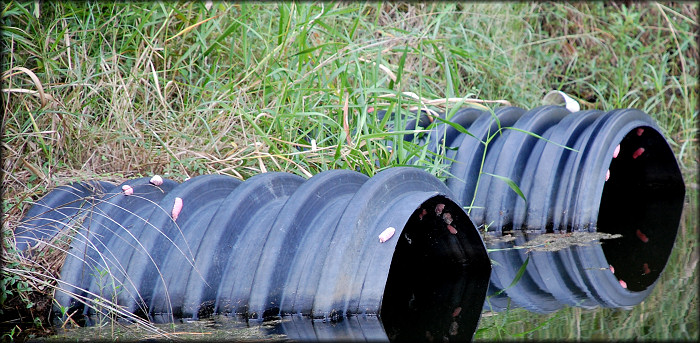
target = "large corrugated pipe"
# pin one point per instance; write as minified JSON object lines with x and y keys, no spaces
{"x":561,"y":161}
{"x":56,"y":211}
{"x":338,"y":244}
{"x":588,"y":171}
{"x":592,"y":171}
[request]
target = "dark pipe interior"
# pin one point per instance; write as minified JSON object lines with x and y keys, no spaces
{"x":437,"y":280}
{"x":642,"y":200}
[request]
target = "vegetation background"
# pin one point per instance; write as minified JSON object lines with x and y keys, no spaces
{"x":115,"y":90}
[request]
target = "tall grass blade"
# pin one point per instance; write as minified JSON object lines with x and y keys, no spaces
{"x":510,"y":183}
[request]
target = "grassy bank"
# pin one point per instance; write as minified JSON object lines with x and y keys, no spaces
{"x":118,"y":90}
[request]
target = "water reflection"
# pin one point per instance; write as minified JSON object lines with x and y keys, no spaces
{"x":617,"y":266}
{"x":545,"y":272}
{"x":354,"y":328}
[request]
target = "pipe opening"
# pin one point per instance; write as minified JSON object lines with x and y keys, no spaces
{"x":642,"y":200}
{"x":438,"y":276}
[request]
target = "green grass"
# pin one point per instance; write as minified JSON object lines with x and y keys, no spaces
{"x":117,"y":90}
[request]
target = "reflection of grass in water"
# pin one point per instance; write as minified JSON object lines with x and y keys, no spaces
{"x":670,"y":311}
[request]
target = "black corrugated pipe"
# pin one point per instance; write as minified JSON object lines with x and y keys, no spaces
{"x":563,"y":187}
{"x":336,"y":245}
{"x":592,"y":171}
{"x":56,"y":211}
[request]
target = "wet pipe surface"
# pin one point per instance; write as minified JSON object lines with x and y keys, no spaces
{"x":176,"y":251}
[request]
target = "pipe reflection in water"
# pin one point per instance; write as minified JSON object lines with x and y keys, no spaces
{"x":354,"y":328}
{"x":617,"y":266}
